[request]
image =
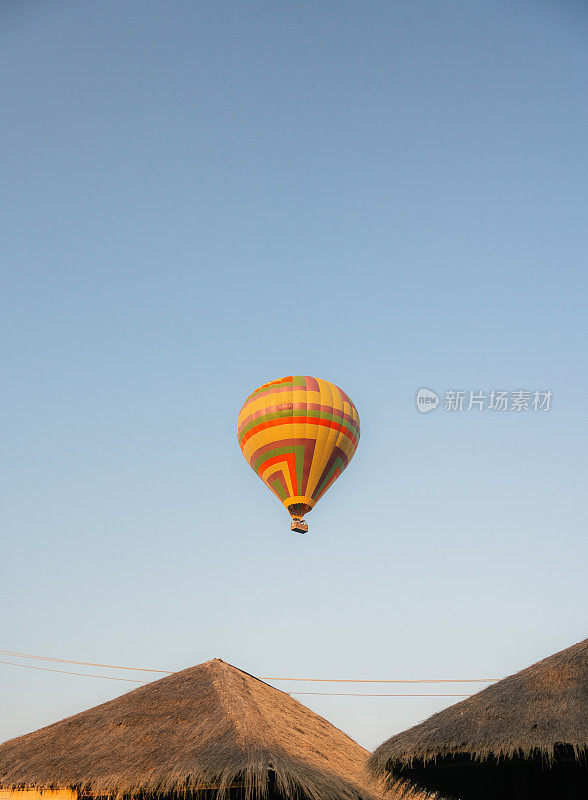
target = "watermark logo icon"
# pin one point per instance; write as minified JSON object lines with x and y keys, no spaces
{"x":426,"y":400}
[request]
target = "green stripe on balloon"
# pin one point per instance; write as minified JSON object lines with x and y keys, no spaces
{"x":338,"y":464}
{"x":278,"y":484}
{"x":275,"y":451}
{"x":299,"y":456}
{"x":298,"y":452}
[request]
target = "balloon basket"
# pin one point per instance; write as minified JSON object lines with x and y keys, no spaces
{"x":299,"y":525}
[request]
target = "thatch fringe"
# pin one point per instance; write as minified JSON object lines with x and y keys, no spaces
{"x":527,"y":714}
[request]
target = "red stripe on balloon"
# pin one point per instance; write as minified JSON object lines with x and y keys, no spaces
{"x":290,"y":459}
{"x":273,"y":423}
{"x":262,"y":412}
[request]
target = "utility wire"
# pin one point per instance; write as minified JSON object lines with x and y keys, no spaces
{"x":65,"y":672}
{"x":362,"y":680}
{"x":366,"y":694}
{"x":311,"y":680}
{"x":133,"y":680}
{"x":83,"y":663}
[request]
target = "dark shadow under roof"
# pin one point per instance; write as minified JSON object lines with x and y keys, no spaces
{"x":527,"y":730}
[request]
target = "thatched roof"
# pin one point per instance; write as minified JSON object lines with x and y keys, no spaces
{"x":209,"y":728}
{"x":534,"y":719}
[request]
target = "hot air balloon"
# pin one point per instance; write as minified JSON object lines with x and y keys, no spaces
{"x":298,"y":434}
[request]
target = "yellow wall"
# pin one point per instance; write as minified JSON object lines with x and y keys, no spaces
{"x":34,"y":794}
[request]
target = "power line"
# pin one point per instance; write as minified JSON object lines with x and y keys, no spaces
{"x":366,"y":694}
{"x":311,"y":680}
{"x":324,"y":694}
{"x":66,"y":672}
{"x":83,"y":663}
{"x":367,"y":680}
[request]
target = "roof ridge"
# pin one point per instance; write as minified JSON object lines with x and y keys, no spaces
{"x":236,"y":705}
{"x":286,"y":695}
{"x":554,"y":661}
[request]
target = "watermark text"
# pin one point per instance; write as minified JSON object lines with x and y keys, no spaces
{"x":498,"y":401}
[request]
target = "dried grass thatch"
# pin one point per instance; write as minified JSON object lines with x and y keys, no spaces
{"x":211,"y":729}
{"x":525,"y":736}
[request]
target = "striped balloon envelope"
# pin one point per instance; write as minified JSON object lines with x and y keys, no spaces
{"x":298,"y":434}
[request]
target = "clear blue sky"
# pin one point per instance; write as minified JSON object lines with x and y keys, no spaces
{"x":200,"y":197}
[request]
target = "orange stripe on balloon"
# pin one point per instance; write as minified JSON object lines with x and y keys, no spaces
{"x":290,"y":459}
{"x":272,"y":423}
